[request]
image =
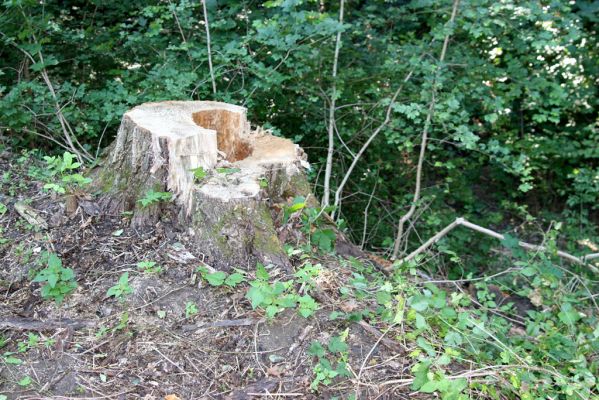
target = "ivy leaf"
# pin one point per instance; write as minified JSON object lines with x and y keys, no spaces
{"x":324,"y":239}
{"x":419,"y":303}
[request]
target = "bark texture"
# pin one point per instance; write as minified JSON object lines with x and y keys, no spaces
{"x":229,"y":211}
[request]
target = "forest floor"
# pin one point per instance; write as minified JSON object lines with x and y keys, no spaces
{"x":174,"y":334}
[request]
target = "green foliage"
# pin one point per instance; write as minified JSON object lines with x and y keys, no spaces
{"x":277,"y":296}
{"x":313,"y":222}
{"x":332,"y":363}
{"x":62,"y":175}
{"x":152,"y":197}
{"x":199,"y":173}
{"x":220,"y":278}
{"x":58,"y":281}
{"x":149,"y":267}
{"x":121,"y":289}
{"x":227,"y":171}
{"x":191,"y":309}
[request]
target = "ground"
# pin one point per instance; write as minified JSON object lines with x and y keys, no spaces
{"x":174,"y":334}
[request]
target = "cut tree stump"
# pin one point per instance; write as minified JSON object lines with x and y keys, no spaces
{"x":229,"y":210}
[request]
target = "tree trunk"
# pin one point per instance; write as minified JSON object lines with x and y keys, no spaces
{"x":228,"y":211}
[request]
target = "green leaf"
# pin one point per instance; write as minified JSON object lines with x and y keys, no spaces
{"x":307,"y":306}
{"x":419,"y":303}
{"x":324,"y":239}
{"x":261,"y":272}
{"x":316,"y":349}
{"x":337,"y":345}
{"x":227,"y":171}
{"x":216,"y":278}
{"x":234,"y":279}
{"x":199,"y":173}
{"x":26,"y":381}
{"x":568,"y":315}
{"x":256,"y":296}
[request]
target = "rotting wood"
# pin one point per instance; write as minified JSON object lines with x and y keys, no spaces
{"x":30,"y":215}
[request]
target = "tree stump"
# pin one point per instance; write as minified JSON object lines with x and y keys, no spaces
{"x":228,"y":209}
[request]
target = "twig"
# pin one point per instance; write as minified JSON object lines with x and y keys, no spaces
{"x":528,"y":246}
{"x":331,"y":132}
{"x":221,"y":324}
{"x":423,"y":143}
{"x":208,"y":43}
{"x":374,"y":134}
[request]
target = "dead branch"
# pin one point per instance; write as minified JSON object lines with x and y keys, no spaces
{"x":29,"y":324}
{"x":208,"y":43}
{"x":527,"y":246}
{"x":331,"y":130}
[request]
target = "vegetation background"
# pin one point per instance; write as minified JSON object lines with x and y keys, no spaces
{"x":505,"y":91}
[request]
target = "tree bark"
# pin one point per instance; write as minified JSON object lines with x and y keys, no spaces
{"x":229,"y":212}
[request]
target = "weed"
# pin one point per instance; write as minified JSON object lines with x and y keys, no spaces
{"x":199,"y":174}
{"x":191,"y":309}
{"x":26,"y":381}
{"x":220,"y":278}
{"x":277,"y":296}
{"x":59,"y":281}
{"x":336,"y":353}
{"x":149,"y":267}
{"x":152,"y":197}
{"x":62,"y":175}
{"x":122,"y":287}
{"x":314,"y":226}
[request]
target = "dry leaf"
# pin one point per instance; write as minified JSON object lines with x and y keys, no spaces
{"x":171,"y":397}
{"x":349,"y":306}
{"x":275,"y":371}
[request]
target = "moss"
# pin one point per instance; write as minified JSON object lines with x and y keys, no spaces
{"x":265,"y":237}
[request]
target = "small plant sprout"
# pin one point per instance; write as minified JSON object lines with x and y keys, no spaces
{"x":121,"y":289}
{"x":152,"y":197}
{"x":199,"y":174}
{"x":149,"y":267}
{"x":220,"y":278}
{"x":191,"y":309}
{"x":61,"y":171}
{"x":58,"y":281}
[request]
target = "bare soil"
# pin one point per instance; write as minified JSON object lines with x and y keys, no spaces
{"x":144,"y":346}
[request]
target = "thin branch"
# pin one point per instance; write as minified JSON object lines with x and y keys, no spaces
{"x":331,"y":130}
{"x":208,"y":43}
{"x":423,"y":143}
{"x":528,"y":246}
{"x":362,"y":150}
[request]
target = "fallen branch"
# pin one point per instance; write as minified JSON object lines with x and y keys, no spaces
{"x":528,"y":246}
{"x":228,"y":323}
{"x":29,"y":324}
